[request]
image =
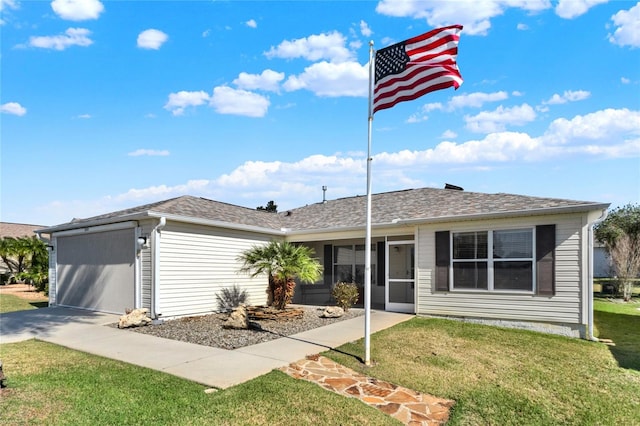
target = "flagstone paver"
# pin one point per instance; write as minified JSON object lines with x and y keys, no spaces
{"x":406,"y":405}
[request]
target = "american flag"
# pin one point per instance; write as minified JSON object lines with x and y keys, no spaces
{"x":417,"y":66}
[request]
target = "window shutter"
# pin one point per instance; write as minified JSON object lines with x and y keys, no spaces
{"x":380,"y":263}
{"x":545,"y":260}
{"x":442,"y":260}
{"x":328,"y":264}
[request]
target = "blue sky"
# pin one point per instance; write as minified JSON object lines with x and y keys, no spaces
{"x":113,"y":104}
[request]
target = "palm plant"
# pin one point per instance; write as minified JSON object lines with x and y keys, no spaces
{"x":284,"y":263}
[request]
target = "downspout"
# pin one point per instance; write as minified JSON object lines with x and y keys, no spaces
{"x":156,"y":312}
{"x":590,"y":320}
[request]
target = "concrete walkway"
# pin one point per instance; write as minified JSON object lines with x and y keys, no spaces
{"x":88,"y":332}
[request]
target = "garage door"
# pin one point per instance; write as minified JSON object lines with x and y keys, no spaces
{"x":96,"y":271}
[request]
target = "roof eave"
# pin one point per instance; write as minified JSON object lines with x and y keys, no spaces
{"x":217,"y":223}
{"x":91,"y":223}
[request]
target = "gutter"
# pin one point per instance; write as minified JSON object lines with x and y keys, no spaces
{"x":590,"y":234}
{"x":156,"y":312}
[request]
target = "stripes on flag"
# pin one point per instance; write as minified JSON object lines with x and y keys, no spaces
{"x":417,"y":66}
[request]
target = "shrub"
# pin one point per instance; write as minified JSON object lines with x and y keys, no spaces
{"x":345,"y":294}
{"x":230,"y":298}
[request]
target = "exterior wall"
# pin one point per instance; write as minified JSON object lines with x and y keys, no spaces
{"x":53,"y":274}
{"x":565,"y":307}
{"x":146,"y":267}
{"x":197,"y":262}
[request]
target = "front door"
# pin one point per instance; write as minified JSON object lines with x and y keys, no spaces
{"x":400,"y":285}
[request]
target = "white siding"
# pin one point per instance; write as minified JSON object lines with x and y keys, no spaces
{"x":564,"y":307}
{"x":197,"y":262}
{"x":53,"y":273}
{"x":146,"y":267}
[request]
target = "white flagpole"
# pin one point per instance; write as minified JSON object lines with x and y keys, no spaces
{"x":367,"y":242}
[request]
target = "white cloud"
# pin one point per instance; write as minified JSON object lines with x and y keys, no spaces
{"x":475,"y":100}
{"x":149,"y":152}
{"x":624,"y":80}
{"x":522,"y":27}
{"x":365,"y":30}
{"x":179,"y":101}
{"x":71,"y":37}
{"x":84,"y":116}
{"x":569,"y":9}
{"x":568,"y":96}
{"x":13,"y":108}
{"x":4,"y":6}
{"x":151,"y":39}
{"x":475,"y":16}
{"x":498,"y":119}
{"x":449,"y":134}
{"x":627,"y":32}
{"x":77,"y":10}
{"x":268,"y":80}
{"x":251,"y":23}
{"x":332,"y":79}
{"x":206,"y":33}
{"x":226,"y":100}
{"x":605,"y":125}
{"x":329,"y":46}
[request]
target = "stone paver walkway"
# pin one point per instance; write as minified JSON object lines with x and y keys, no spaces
{"x":408,"y":406}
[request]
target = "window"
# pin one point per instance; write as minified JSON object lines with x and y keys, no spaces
{"x":493,"y":260}
{"x":349,"y":264}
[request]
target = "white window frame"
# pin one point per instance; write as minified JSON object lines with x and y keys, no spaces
{"x":491,"y":260}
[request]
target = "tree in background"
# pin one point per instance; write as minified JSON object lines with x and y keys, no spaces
{"x":284,"y":263}
{"x":271,"y":207}
{"x":620,"y":234}
{"x":27,"y":260}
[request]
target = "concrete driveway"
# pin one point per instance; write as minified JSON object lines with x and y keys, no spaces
{"x":89,"y":332}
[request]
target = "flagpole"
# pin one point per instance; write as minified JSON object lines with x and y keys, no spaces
{"x":367,"y":242}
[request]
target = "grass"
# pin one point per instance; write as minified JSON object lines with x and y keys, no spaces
{"x":52,"y":385}
{"x":505,"y":377}
{"x":620,"y":322}
{"x":496,"y":376}
{"x":12,"y":303}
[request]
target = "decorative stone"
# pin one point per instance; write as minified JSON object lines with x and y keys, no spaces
{"x":237,"y":319}
{"x":135,"y":318}
{"x":332,"y":312}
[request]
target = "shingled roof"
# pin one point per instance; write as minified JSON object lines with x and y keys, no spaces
{"x":17,"y":230}
{"x":191,"y":207}
{"x":412,"y":205}
{"x":423,"y":204}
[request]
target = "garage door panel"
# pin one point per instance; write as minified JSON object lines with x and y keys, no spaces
{"x":96,"y":270}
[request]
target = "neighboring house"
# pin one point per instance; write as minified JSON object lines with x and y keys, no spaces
{"x":602,"y":267}
{"x":15,"y":230}
{"x":511,"y":258}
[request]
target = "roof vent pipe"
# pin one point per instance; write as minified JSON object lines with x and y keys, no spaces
{"x":449,"y":186}
{"x":324,"y":194}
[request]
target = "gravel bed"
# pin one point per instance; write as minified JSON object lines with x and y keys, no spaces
{"x":207,"y":330}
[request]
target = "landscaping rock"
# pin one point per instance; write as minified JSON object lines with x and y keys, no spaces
{"x":237,"y":319}
{"x":135,"y":318}
{"x":332,"y":312}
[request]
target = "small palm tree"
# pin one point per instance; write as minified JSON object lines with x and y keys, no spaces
{"x":284,"y":263}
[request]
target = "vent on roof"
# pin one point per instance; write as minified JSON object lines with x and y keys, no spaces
{"x":449,"y":186}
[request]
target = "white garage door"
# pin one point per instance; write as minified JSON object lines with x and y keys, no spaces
{"x":97,"y":270}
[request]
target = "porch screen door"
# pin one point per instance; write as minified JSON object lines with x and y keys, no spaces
{"x":400,"y":285}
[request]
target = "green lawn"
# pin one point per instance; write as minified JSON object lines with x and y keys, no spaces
{"x":620,"y":322}
{"x":512,"y":377}
{"x":496,"y":376}
{"x":12,"y":303}
{"x":52,"y":385}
